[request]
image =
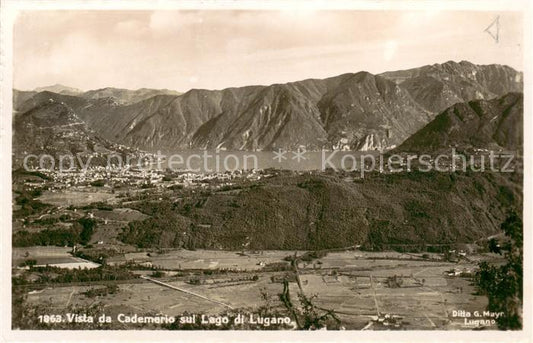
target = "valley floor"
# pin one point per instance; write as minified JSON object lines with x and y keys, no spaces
{"x":356,"y":285}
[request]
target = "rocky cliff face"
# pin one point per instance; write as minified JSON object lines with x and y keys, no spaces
{"x":358,"y":111}
{"x":370,"y":112}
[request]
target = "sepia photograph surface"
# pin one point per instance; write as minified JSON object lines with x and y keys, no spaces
{"x":290,"y":168}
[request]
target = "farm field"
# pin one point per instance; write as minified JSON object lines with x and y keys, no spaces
{"x":51,"y":256}
{"x":209,"y":259}
{"x":111,"y":224}
{"x":351,"y":283}
{"x":75,"y":197}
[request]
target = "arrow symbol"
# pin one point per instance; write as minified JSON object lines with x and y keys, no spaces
{"x":494,"y":29}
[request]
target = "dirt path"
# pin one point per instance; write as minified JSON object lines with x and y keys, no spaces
{"x":186,"y":291}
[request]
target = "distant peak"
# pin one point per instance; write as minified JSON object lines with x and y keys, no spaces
{"x":59,"y":88}
{"x":362,"y":76}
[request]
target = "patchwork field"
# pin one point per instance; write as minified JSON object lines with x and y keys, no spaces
{"x":75,"y":197}
{"x":351,"y":283}
{"x":209,"y":259}
{"x":51,"y":256}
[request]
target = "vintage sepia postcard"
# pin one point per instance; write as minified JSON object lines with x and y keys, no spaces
{"x":266,"y":170}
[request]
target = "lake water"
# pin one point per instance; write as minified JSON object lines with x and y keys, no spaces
{"x":220,"y":161}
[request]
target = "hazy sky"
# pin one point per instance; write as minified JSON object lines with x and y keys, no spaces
{"x":215,"y":49}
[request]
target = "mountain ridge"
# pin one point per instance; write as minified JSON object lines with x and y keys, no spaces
{"x":477,"y":124}
{"x":351,"y":111}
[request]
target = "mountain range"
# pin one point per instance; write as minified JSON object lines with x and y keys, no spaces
{"x":354,"y":111}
